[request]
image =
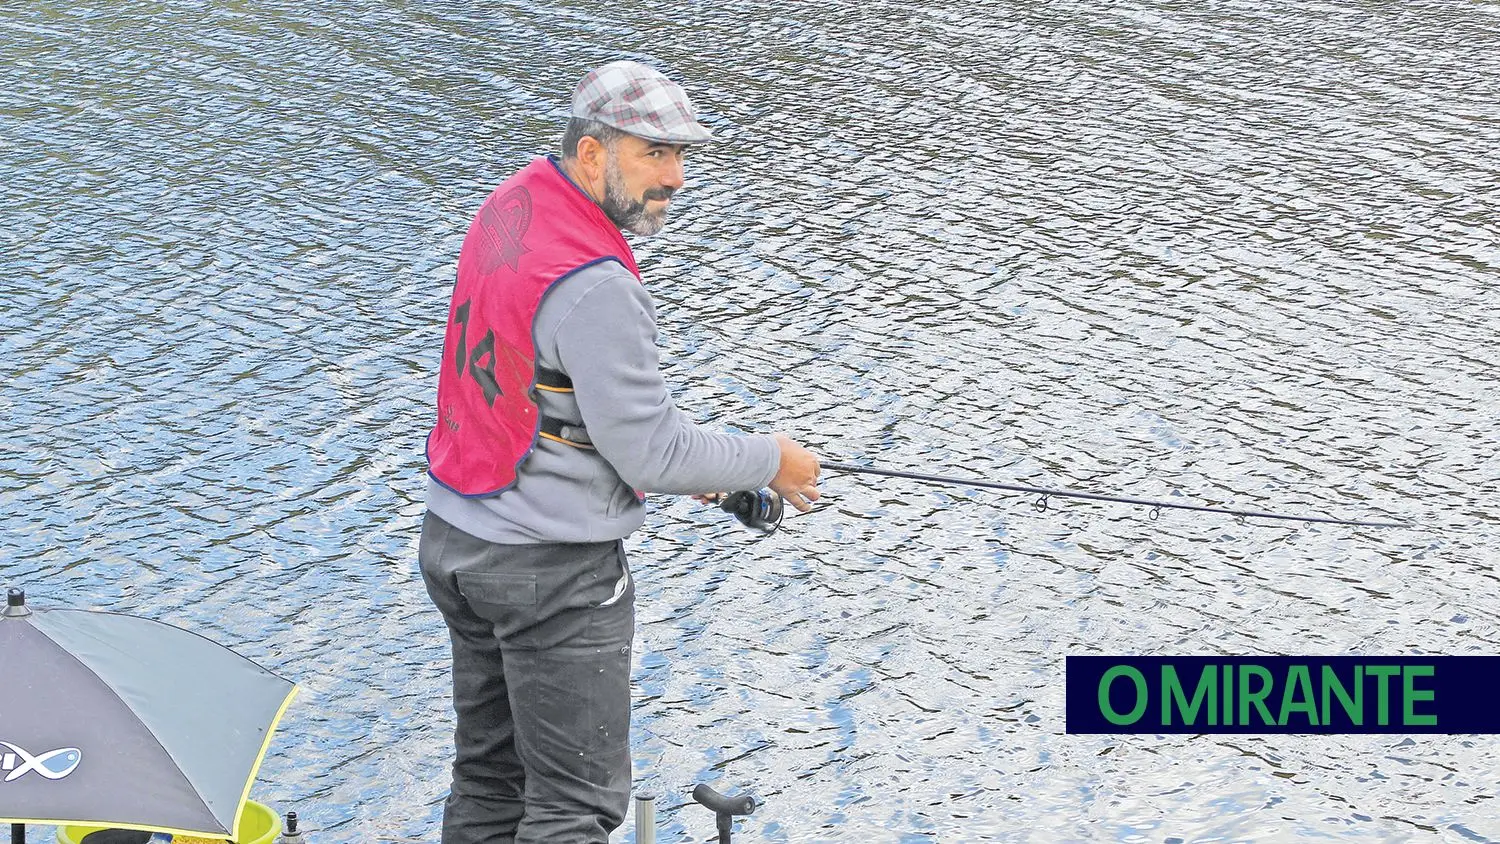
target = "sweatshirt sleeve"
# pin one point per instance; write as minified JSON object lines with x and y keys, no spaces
{"x":607,"y":345}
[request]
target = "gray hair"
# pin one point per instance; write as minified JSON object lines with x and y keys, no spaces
{"x":578,"y":127}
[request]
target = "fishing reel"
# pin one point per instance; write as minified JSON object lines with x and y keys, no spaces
{"x":758,"y":509}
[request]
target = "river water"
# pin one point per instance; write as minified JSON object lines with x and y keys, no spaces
{"x":1238,"y":252}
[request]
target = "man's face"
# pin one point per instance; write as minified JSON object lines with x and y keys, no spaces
{"x":640,"y":177}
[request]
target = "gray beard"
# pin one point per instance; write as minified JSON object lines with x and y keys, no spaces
{"x":625,"y":212}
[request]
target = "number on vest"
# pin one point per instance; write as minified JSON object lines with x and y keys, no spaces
{"x":484,"y":350}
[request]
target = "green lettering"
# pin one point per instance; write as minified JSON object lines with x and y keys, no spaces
{"x":1141,"y":695}
{"x":1172,"y":693}
{"x":1382,"y":691}
{"x":1255,"y":698}
{"x":1410,"y":695}
{"x":1354,"y":708}
{"x":1298,"y":685}
{"x":1228,"y":676}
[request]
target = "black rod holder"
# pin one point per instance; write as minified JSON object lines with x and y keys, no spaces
{"x":724,"y":808}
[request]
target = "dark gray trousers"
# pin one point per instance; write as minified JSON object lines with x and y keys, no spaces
{"x":541,"y":684}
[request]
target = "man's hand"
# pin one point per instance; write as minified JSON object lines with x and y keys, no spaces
{"x":796,"y":480}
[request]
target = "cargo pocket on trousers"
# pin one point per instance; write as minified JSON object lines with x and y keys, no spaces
{"x":590,"y":691}
{"x":506,"y":601}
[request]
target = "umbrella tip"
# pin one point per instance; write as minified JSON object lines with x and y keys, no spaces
{"x":15,"y":604}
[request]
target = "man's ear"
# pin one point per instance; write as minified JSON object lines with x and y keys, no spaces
{"x":591,"y":154}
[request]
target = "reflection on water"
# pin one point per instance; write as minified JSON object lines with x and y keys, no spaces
{"x":1239,"y":252}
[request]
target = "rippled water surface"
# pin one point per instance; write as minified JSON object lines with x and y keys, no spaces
{"x":1239,"y":252}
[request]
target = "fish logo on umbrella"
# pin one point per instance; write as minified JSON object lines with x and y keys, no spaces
{"x":54,"y":764}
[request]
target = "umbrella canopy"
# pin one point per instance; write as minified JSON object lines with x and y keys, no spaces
{"x":120,"y":721}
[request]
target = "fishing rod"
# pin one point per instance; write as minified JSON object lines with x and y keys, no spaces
{"x":1045,"y":493}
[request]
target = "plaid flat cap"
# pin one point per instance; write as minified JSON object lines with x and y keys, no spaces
{"x":637,"y":99}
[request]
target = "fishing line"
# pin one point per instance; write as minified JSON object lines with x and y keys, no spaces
{"x":1045,"y":493}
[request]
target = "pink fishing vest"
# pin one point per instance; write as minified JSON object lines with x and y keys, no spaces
{"x":535,"y":229}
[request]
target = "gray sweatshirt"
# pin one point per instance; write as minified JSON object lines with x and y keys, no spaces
{"x":598,"y":326}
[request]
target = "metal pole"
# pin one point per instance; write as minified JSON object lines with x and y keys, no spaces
{"x":645,"y":819}
{"x":18,"y":833}
{"x":1095,"y":496}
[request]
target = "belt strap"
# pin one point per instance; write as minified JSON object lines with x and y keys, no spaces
{"x":553,"y":381}
{"x":565,"y":433}
{"x":555,"y":429}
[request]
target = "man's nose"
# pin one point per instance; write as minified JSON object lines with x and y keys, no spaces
{"x":672,"y":174}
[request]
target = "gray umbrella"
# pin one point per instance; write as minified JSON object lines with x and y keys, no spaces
{"x":120,"y":721}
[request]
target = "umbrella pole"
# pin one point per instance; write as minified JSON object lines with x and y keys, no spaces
{"x":18,"y":833}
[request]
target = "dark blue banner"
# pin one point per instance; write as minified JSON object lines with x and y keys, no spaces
{"x":1283,"y":694}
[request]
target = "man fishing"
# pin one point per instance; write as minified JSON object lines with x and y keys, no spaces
{"x":553,"y":421}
